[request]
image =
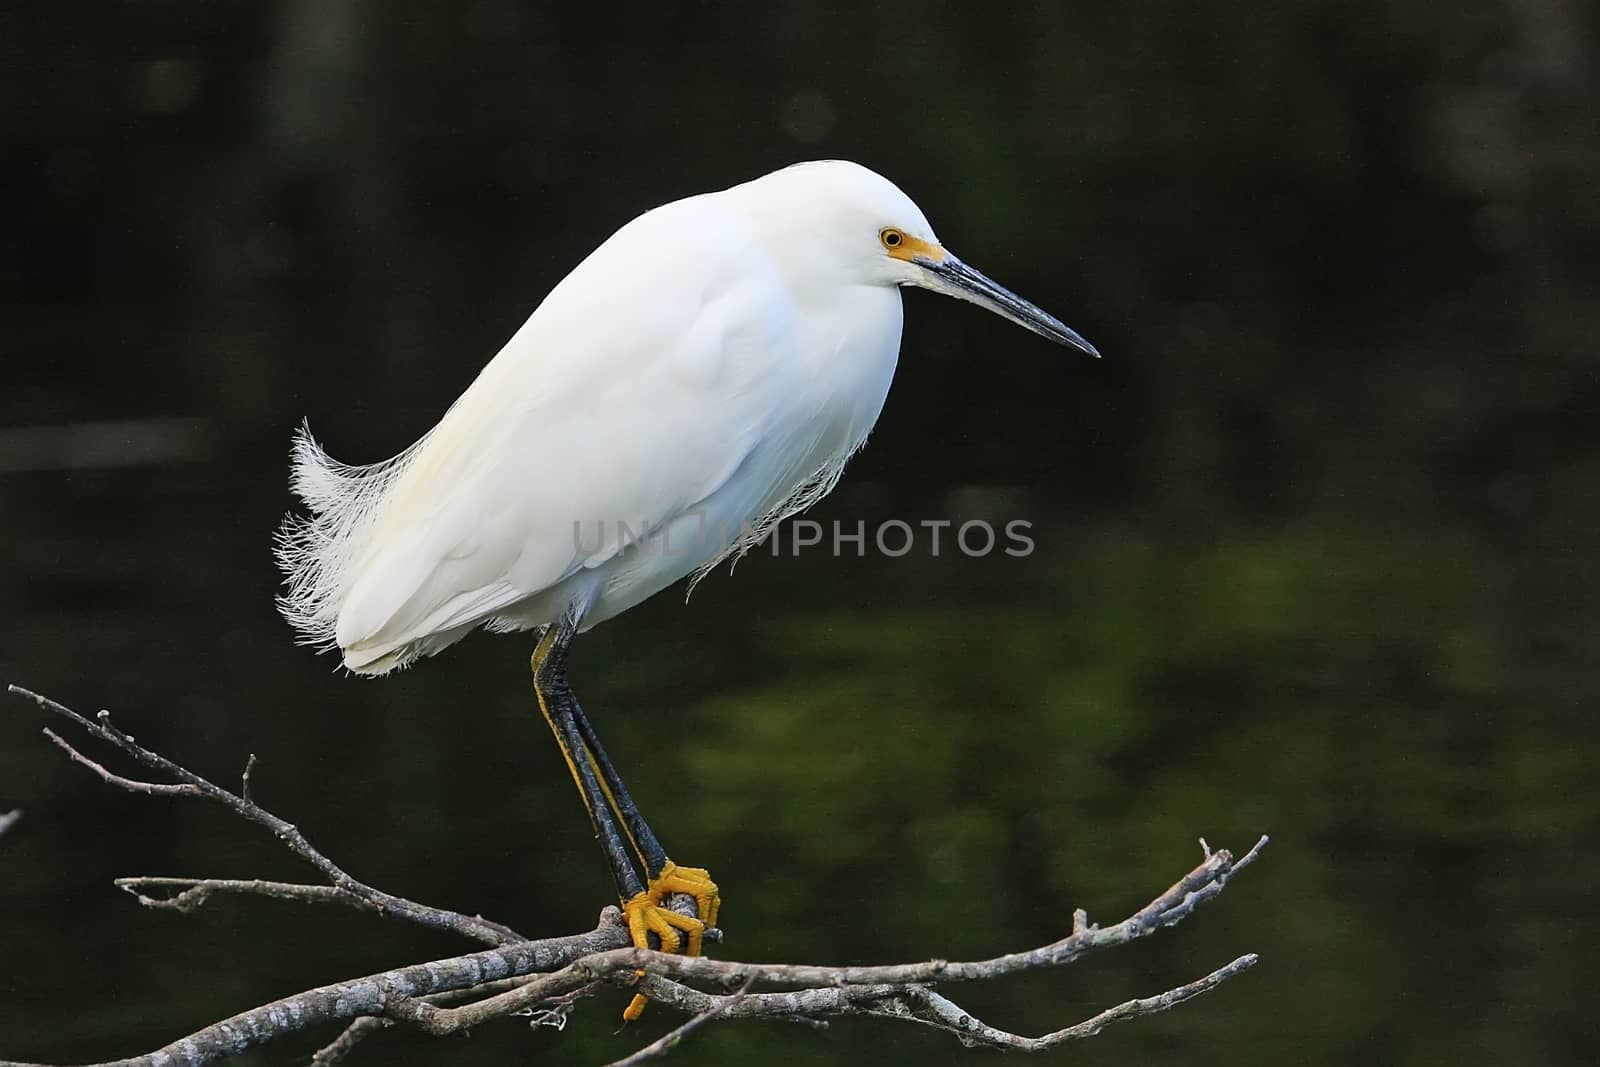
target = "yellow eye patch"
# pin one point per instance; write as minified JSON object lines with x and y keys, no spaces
{"x":902,"y":245}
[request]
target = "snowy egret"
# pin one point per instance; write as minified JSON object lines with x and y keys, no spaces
{"x":710,"y":367}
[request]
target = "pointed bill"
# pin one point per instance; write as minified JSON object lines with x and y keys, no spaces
{"x":951,"y":276}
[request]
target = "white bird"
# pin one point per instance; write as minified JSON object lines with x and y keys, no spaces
{"x":705,"y":372}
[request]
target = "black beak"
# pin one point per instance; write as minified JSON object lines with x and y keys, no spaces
{"x":954,"y":278}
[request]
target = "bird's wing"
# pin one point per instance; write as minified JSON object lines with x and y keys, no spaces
{"x":627,"y":398}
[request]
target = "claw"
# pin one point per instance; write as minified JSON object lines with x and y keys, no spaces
{"x":646,"y":915}
{"x":697,"y":883}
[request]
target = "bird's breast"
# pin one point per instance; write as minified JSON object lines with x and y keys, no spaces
{"x":828,"y":392}
{"x":848,"y":359}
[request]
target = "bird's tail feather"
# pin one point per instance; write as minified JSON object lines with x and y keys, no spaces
{"x":318,"y":552}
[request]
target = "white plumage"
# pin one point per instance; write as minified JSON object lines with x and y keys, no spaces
{"x":706,"y":371}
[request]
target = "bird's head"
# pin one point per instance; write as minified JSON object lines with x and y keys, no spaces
{"x":856,"y":221}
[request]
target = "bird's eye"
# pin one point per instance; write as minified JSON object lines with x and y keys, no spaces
{"x":891,"y":238}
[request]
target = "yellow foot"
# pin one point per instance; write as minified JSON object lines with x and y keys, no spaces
{"x":646,"y":914}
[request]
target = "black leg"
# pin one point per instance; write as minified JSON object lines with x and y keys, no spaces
{"x":627,"y":839}
{"x":560,"y":710}
{"x":644,"y":840}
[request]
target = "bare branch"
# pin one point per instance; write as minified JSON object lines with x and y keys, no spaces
{"x":553,"y":1014}
{"x":372,"y":994}
{"x":365,"y":1026}
{"x":544,"y":979}
{"x":671,"y":1039}
{"x":923,"y":1005}
{"x":1172,"y":906}
{"x":791,"y":1007}
{"x":828,"y":990}
{"x":566,"y":965}
{"x":191,"y":784}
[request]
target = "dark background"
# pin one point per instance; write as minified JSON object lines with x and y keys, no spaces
{"x":1315,"y":539}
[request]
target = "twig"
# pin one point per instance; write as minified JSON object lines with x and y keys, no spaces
{"x":189,"y":783}
{"x":670,"y":1040}
{"x":367,"y":1025}
{"x":132,"y":785}
{"x":193,"y":892}
{"x":348,"y":1039}
{"x":553,"y":1012}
